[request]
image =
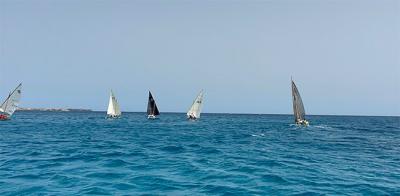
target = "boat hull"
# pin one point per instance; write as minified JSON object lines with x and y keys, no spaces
{"x":4,"y":116}
{"x":151,"y":117}
{"x":113,"y":116}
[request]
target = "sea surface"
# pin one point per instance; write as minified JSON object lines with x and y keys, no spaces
{"x":79,"y":153}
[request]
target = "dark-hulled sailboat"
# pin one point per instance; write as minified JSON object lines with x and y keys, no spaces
{"x":152,"y":110}
{"x":298,"y":107}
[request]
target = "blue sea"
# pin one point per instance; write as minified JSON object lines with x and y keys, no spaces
{"x":79,"y":153}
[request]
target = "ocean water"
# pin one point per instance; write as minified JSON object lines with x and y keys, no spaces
{"x":78,"y":153}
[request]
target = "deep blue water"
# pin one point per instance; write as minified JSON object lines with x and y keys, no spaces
{"x":76,"y":153}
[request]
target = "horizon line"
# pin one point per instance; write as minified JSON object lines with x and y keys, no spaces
{"x":233,"y":113}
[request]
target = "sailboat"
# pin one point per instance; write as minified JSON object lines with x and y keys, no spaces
{"x":113,"y":110}
{"x":152,"y":110}
{"x":9,"y":106}
{"x":298,"y":107}
{"x":195,"y":109}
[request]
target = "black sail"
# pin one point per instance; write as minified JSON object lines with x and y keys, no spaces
{"x":156,"y":112}
{"x":298,"y":107}
{"x":151,"y":106}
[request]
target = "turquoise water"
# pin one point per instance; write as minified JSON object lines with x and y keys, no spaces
{"x":55,"y":153}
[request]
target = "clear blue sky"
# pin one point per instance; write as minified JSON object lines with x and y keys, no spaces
{"x":343,"y":54}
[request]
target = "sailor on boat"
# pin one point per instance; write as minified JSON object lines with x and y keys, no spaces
{"x":302,"y":122}
{"x":191,"y":116}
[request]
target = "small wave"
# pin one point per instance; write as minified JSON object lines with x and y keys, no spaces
{"x":258,"y":135}
{"x":274,"y":178}
{"x":225,"y":189}
{"x":321,"y":126}
{"x":113,"y":154}
{"x":194,"y":145}
{"x":124,"y":186}
{"x":49,"y":165}
{"x":307,"y":193}
{"x":95,"y":191}
{"x":175,"y":149}
{"x":162,"y":183}
{"x":105,"y":175}
{"x":209,"y":150}
{"x":30,"y":190}
{"x":26,"y":176}
{"x":116,"y":163}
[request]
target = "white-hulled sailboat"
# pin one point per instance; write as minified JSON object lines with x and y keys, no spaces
{"x":195,"y":109}
{"x":298,"y":107}
{"x":152,"y":110}
{"x":9,"y":106}
{"x":113,"y":110}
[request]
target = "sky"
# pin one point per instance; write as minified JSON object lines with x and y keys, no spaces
{"x":344,"y":55}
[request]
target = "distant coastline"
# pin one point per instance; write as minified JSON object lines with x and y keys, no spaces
{"x":54,"y":109}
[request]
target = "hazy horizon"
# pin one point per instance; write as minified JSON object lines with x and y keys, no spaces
{"x":343,"y":55}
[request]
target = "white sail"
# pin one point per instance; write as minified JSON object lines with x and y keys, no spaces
{"x":195,"y":110}
{"x":11,"y":103}
{"x":116,"y":107}
{"x":113,"y":107}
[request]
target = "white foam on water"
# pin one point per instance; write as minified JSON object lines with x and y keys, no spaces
{"x":258,"y":135}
